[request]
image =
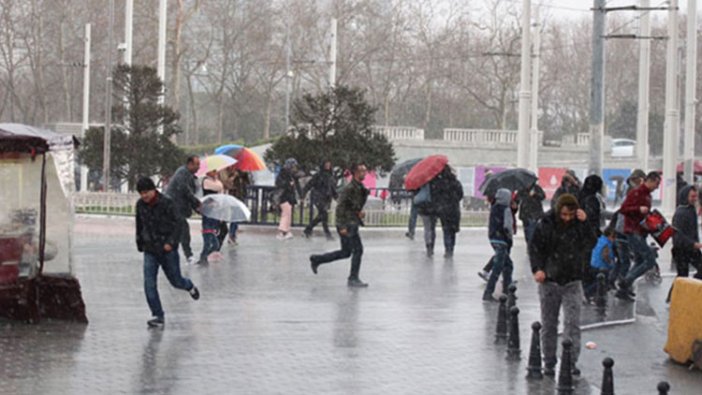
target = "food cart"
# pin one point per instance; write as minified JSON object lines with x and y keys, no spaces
{"x":36,"y":223}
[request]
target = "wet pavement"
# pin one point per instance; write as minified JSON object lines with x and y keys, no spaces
{"x":266,"y":325}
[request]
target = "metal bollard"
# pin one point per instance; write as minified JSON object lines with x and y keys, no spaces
{"x":601,"y":296}
{"x":501,"y":330}
{"x":663,"y":388}
{"x":607,"y":377}
{"x":511,"y":300}
{"x":565,"y":375}
{"x":534,"y":366}
{"x":513,"y":351}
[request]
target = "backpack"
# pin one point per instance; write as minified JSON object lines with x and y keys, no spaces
{"x":423,"y":198}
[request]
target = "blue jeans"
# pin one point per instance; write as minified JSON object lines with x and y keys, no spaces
{"x":621,"y":267}
{"x":170,"y":262}
{"x":233,"y":227}
{"x":412,"y":225}
{"x":502,"y":264}
{"x":644,"y":257}
{"x":210,"y":227}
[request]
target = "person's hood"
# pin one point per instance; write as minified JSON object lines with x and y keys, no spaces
{"x":290,"y":163}
{"x":592,"y":185}
{"x":503,"y":196}
{"x":682,"y":195}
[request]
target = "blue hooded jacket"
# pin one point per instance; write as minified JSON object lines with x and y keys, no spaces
{"x":501,"y":222}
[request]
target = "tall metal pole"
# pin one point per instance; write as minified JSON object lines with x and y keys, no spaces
{"x":288,"y":75}
{"x":534,"y":140}
{"x":108,"y":98}
{"x":524,"y":88}
{"x":597,"y":81}
{"x":642,"y":150}
{"x":332,"y":56}
{"x":672,"y":116}
{"x":128,"y":25}
{"x":161,"y":67}
{"x":86,"y":103}
{"x":690,"y":85}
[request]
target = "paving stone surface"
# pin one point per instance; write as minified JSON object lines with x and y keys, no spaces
{"x":265,"y":324}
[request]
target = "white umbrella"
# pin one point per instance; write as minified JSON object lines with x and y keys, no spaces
{"x":225,"y":208}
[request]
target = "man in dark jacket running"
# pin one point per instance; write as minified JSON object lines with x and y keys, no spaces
{"x":181,"y":190}
{"x":323,"y":186}
{"x":349,"y":217}
{"x":686,"y":240}
{"x":156,"y":237}
{"x":557,"y":253}
{"x":635,"y":208}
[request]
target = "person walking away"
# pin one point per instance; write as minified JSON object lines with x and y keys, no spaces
{"x":412,"y":223}
{"x":500,"y":235}
{"x":287,"y":185}
{"x":349,"y":217}
{"x":602,"y":261}
{"x":422,"y":205}
{"x":211,"y":185}
{"x":635,"y":208}
{"x":447,"y":192}
{"x":157,"y":238}
{"x":531,"y":208}
{"x":556,"y":253}
{"x":323,"y":187}
{"x":240,"y":185}
{"x":181,"y":189}
{"x":686,"y":240}
{"x":569,"y":184}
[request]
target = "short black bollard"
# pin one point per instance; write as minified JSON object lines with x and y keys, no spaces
{"x":601,"y":295}
{"x":513,"y":351}
{"x":608,"y":377}
{"x":511,"y":300}
{"x":565,"y":375}
{"x":501,"y":331}
{"x":534,"y":367}
{"x":663,"y":388}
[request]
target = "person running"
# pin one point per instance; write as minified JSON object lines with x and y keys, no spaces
{"x":500,"y":236}
{"x":623,"y":262}
{"x":686,"y":240}
{"x":349,"y":217}
{"x":181,"y":189}
{"x":211,"y":227}
{"x":635,"y":208}
{"x":286,"y":186}
{"x":558,"y":252}
{"x":157,"y":238}
{"x":323,"y":187}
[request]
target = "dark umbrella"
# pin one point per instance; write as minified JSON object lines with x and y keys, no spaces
{"x":512,"y":179}
{"x":399,"y":172}
{"x":424,"y":171}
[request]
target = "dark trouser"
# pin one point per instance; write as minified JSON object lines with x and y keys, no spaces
{"x":621,"y":267}
{"x":429,"y":223}
{"x":184,"y":236}
{"x":529,"y":228}
{"x":449,"y":229}
{"x":590,"y":287}
{"x":223,"y":230}
{"x":322,"y":216}
{"x":502,"y":264}
{"x":645,"y":259}
{"x":553,"y":296}
{"x":210,"y":227}
{"x":683,"y":260}
{"x":351,"y":246}
{"x":170,"y":263}
{"x":412,"y":225}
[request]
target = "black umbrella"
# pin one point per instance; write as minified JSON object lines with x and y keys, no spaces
{"x":399,"y":172}
{"x":512,"y":179}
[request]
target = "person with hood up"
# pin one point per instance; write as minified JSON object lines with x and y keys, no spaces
{"x":323,"y":186}
{"x":446,"y":195}
{"x":686,"y":240}
{"x":569,"y":184}
{"x":589,"y":201}
{"x":531,"y":208}
{"x":286,"y":186}
{"x":557,"y":252}
{"x":500,"y":232}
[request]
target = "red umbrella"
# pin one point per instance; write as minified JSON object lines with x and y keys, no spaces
{"x":424,"y":171}
{"x":697,"y":167}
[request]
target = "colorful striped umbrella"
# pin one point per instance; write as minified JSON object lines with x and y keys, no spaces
{"x":214,"y":162}
{"x":247,"y":160}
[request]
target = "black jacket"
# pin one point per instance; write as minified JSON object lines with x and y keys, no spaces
{"x":287,"y":183}
{"x":590,"y":202}
{"x":446,"y":195}
{"x":531,"y":207}
{"x":353,"y":198}
{"x":685,"y":223}
{"x":181,"y":189}
{"x":323,"y":186}
{"x":156,"y":225}
{"x":560,"y":250}
{"x":500,"y":227}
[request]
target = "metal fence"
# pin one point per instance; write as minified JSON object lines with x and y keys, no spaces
{"x":385,"y":207}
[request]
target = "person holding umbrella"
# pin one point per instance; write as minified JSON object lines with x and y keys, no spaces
{"x":447,"y":193}
{"x":349,"y":217}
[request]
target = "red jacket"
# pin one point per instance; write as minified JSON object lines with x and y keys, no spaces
{"x":631,"y":209}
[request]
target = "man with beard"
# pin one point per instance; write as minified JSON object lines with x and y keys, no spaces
{"x":558,"y":252}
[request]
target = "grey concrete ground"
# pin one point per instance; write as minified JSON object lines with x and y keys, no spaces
{"x":266,"y":325}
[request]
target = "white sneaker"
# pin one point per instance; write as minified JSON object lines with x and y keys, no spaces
{"x":191,"y":260}
{"x":280,"y":236}
{"x":288,"y":236}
